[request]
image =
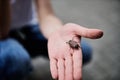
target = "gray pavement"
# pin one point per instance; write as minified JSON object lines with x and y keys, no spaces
{"x":102,"y":14}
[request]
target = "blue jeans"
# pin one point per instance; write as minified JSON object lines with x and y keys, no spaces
{"x":15,"y":61}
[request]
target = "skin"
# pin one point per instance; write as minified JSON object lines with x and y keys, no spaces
{"x":64,"y":64}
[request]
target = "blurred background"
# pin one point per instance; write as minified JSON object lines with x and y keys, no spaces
{"x":101,"y":14}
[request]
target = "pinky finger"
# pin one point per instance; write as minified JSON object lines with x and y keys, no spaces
{"x":53,"y":68}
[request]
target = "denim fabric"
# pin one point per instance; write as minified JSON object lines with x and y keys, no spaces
{"x":15,"y":62}
{"x":86,"y":51}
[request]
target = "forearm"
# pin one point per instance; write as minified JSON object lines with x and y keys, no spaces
{"x":48,"y":21}
{"x":50,"y":25}
{"x":4,"y":18}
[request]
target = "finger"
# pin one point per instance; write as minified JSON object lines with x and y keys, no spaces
{"x":61,"y":69}
{"x":68,"y":68}
{"x":85,"y":32}
{"x":53,"y":68}
{"x":77,"y":64}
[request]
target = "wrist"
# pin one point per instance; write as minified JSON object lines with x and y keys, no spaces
{"x":52,"y":33}
{"x":49,"y":25}
{"x":48,"y":32}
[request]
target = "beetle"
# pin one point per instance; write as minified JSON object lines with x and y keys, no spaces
{"x":73,"y":44}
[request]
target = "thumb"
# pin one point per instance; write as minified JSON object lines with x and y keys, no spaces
{"x":85,"y":32}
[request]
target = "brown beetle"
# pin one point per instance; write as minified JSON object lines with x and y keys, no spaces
{"x":73,"y":44}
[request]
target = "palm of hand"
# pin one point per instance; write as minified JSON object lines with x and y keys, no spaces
{"x":64,"y":63}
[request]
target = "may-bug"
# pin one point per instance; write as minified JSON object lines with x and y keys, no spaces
{"x":73,"y":44}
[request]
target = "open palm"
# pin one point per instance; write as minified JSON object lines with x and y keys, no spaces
{"x":66,"y":64}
